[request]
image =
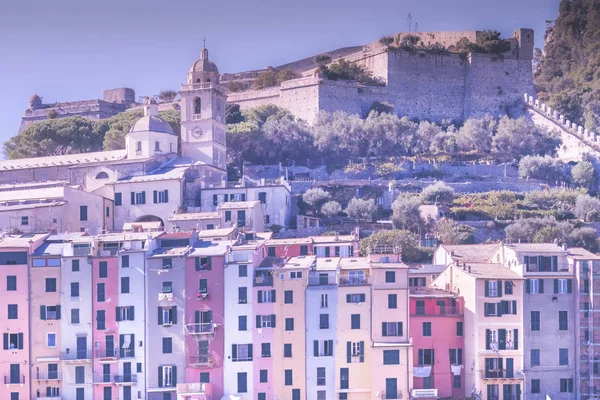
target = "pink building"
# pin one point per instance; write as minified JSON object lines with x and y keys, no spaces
{"x":105,"y":291}
{"x":14,"y":315}
{"x":204,"y":330}
{"x":286,"y":248}
{"x":436,"y":329}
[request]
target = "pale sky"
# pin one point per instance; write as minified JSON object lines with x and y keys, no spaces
{"x":67,"y":50}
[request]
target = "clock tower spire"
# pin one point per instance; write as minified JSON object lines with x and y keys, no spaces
{"x":203,"y":114}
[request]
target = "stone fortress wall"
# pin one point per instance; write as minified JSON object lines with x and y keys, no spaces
{"x":419,"y":84}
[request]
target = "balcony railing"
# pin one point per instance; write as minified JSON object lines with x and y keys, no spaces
{"x":352,"y":281}
{"x":262,"y":281}
{"x":76,"y":355}
{"x":107,"y":353}
{"x":46,"y":376}
{"x":14,"y":379}
{"x":500,"y":374}
{"x":449,"y":311}
{"x":195,"y":389}
{"x":51,"y":397}
{"x":201,"y":361}
{"x":321,"y":280}
{"x":424,"y":393}
{"x":207,"y":85}
{"x":81,"y":251}
{"x":391,"y":395}
{"x":125,"y":378}
{"x":207,"y":328}
{"x":108,"y":252}
{"x":103,"y":378}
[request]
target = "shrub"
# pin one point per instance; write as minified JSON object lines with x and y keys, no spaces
{"x":544,"y":168}
{"x":584,"y":237}
{"x":449,"y":232}
{"x":438,"y":192}
{"x":386,"y":40}
{"x":583,"y":173}
{"x":398,"y":240}
{"x":526,"y":229}
{"x":361,"y":210}
{"x":315,"y":197}
{"x":236,"y":86}
{"x":587,"y":208}
{"x":406,"y":214}
{"x":331,"y":209}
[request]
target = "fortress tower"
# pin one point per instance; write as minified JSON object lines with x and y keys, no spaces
{"x":203,"y":114}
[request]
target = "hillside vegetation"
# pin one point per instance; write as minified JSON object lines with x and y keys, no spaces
{"x":567,"y":75}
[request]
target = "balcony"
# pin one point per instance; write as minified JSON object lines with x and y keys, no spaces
{"x":199,"y":391}
{"x":202,"y":295}
{"x":354,"y":281}
{"x":500,"y":374}
{"x":14,"y":379}
{"x":46,"y":376}
{"x":165,"y":297}
{"x":321,"y":280}
{"x":108,"y":251}
{"x":262,"y":281}
{"x":207,"y":328}
{"x":445,"y":311}
{"x":424,"y":393}
{"x":125,"y":379}
{"x":391,"y":395}
{"x":201,"y":361}
{"x":239,"y":257}
{"x":103,"y":379}
{"x":207,"y":85}
{"x":76,"y":357}
{"x":81,"y":251}
{"x":107,"y":355}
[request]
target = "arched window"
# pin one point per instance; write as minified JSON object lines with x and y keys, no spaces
{"x":197,"y":105}
{"x":102,"y":175}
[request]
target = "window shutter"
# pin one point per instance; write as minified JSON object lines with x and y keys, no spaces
{"x":569,"y":285}
{"x":166,"y":196}
{"x":250,"y":351}
{"x":273,"y":321}
{"x":459,"y":356}
{"x":541,"y":285}
{"x":362,"y":351}
{"x":516,"y":338}
{"x":348,"y":298}
{"x":234,"y":352}
{"x":160,"y":316}
{"x":174,"y":375}
{"x":501,"y":339}
{"x":384,"y":329}
{"x":209,"y":315}
{"x":420,"y":357}
{"x":243,"y":196}
{"x":273,"y":296}
{"x":527,"y":286}
{"x":131,"y":317}
{"x":556,"y":286}
{"x":485,"y":309}
{"x":209,"y":263}
{"x":155,"y":196}
{"x":362,"y":297}
{"x":132,"y":197}
{"x":57,"y":312}
{"x":330,"y":347}
{"x":488,"y":338}
{"x":43,"y":312}
{"x":5,"y":340}
{"x":487,"y":289}
{"x":554,"y":263}
{"x":174,"y":315}
{"x":20,"y":340}
{"x":452,"y":355}
{"x":348,"y":352}
{"x":499,"y":309}
{"x":499,"y":288}
{"x":514,"y":307}
{"x":117,"y":313}
{"x":160,"y":376}
{"x":144,"y":202}
{"x":432,"y":357}
{"x":526,"y":260}
{"x":400,"y":333}
{"x":260,"y":296}
{"x":316,"y":348}
{"x":258,"y":321}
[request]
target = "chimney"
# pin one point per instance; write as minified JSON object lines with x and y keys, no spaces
{"x":564,"y":247}
{"x":469,"y":269}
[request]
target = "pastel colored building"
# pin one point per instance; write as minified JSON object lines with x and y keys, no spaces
{"x":437,"y":332}
{"x":15,"y":314}
{"x":291,"y":247}
{"x":246,"y":215}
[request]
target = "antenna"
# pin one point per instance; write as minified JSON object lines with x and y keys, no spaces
{"x":204,"y":42}
{"x":409,"y":22}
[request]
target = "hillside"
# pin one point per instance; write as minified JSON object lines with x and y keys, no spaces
{"x":567,"y":75}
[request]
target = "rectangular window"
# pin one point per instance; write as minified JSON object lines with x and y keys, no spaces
{"x":263,"y":376}
{"x":563,"y":320}
{"x":227,"y":216}
{"x":295,"y":394}
{"x":566,"y":385}
{"x":456,"y":356}
{"x":508,"y":287}
{"x":536,"y":386}
{"x":262,"y":396}
{"x":242,"y":323}
{"x":138,"y":198}
{"x":74,"y":316}
{"x":83,"y":214}
{"x":296,"y":275}
{"x":51,"y":340}
{"x":241,"y":352}
{"x":563,"y":356}
{"x":242,"y":382}
{"x":535,"y":321}
{"x":323,"y":321}
{"x":344,"y":378}
{"x":243,"y":271}
{"x":535,"y":357}
{"x":355,"y":298}
{"x":391,"y":357}
{"x":288,"y":296}
{"x":50,"y":284}
{"x":426,"y":328}
{"x":271,"y":251}
{"x":265,"y":349}
{"x":391,"y":328}
{"x":289,"y":324}
{"x":125,"y":261}
{"x":100,"y":320}
{"x":425,"y":357}
{"x":11,"y":283}
{"x":456,"y":381}
{"x":493,"y":288}
{"x":160,"y":196}
{"x":167,"y":287}
{"x":75,"y":265}
{"x":355,"y":321}
{"x":288,"y":377}
{"x":563,"y":286}
{"x":304,"y":250}
{"x":100,"y":292}
{"x":24,"y":220}
{"x":265,"y":321}
{"x":459,"y":329}
{"x":13,"y":311}
{"x":420,"y":310}
{"x":324,"y":300}
{"x":321,"y":376}
{"x":103,"y":269}
{"x":118,"y":199}
{"x":242,"y":295}
{"x":204,"y":377}
{"x":287,"y":350}
{"x":167,"y":345}
{"x":125,"y":284}
{"x":392,"y":301}
{"x":266,"y":296}
{"x":74,"y":289}
{"x":390,"y":276}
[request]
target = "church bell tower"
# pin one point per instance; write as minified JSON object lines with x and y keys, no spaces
{"x":203,"y":114}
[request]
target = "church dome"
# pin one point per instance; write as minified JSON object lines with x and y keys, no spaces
{"x":204,"y":64}
{"x":151,"y":123}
